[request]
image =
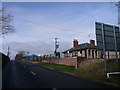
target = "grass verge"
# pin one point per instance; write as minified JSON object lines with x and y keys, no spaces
{"x":89,"y":73}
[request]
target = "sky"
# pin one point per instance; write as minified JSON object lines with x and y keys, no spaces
{"x":60,"y":0}
{"x":37,"y":24}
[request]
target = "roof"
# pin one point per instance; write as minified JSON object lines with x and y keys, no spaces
{"x":30,"y":57}
{"x":33,"y":55}
{"x":82,"y":47}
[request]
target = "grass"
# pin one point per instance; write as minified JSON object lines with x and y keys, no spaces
{"x":84,"y":73}
{"x":58,"y":67}
{"x":112,"y":66}
{"x":90,"y":69}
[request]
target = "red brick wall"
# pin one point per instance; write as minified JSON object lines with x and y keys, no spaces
{"x":65,"y":61}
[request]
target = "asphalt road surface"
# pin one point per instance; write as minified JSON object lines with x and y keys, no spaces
{"x":19,"y":74}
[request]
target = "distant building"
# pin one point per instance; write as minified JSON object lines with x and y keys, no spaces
{"x":32,"y":57}
{"x":87,"y":50}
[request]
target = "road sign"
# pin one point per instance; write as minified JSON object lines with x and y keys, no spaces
{"x":108,"y":34}
{"x":108,"y":39}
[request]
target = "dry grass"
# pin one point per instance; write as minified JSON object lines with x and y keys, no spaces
{"x":95,"y":65}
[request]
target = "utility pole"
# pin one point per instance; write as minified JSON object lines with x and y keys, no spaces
{"x":116,"y":49}
{"x":119,"y":18}
{"x":8,"y":53}
{"x":118,"y":5}
{"x":118,"y":14}
{"x":104,"y":49}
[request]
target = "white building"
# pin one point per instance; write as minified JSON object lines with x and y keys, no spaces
{"x":88,"y":50}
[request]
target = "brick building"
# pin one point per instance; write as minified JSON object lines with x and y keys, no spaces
{"x":88,"y":50}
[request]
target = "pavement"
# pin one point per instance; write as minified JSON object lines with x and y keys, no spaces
{"x":20,"y":74}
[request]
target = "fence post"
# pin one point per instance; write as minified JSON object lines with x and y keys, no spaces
{"x":76,"y":66}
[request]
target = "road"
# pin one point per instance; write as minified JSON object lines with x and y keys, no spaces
{"x":19,"y":74}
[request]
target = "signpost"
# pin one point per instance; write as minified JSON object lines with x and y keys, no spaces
{"x":108,"y":39}
{"x":108,"y":35}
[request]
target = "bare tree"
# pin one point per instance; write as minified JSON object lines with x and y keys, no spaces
{"x":21,"y":55}
{"x":5,"y":22}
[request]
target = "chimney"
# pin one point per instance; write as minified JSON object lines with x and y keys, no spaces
{"x":75,"y":43}
{"x":92,"y":42}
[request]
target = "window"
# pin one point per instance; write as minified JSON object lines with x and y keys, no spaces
{"x":88,"y":52}
{"x":73,"y":53}
{"x":76,"y":53}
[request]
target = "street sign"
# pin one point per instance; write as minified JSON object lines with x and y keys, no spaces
{"x":108,"y":34}
{"x":108,"y":39}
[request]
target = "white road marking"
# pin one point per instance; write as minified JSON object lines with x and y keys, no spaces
{"x":54,"y":89}
{"x":32,"y":72}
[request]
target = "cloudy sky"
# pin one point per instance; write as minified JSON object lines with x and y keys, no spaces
{"x":38,"y":23}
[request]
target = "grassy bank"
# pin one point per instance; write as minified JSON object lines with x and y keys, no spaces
{"x":93,"y":70}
